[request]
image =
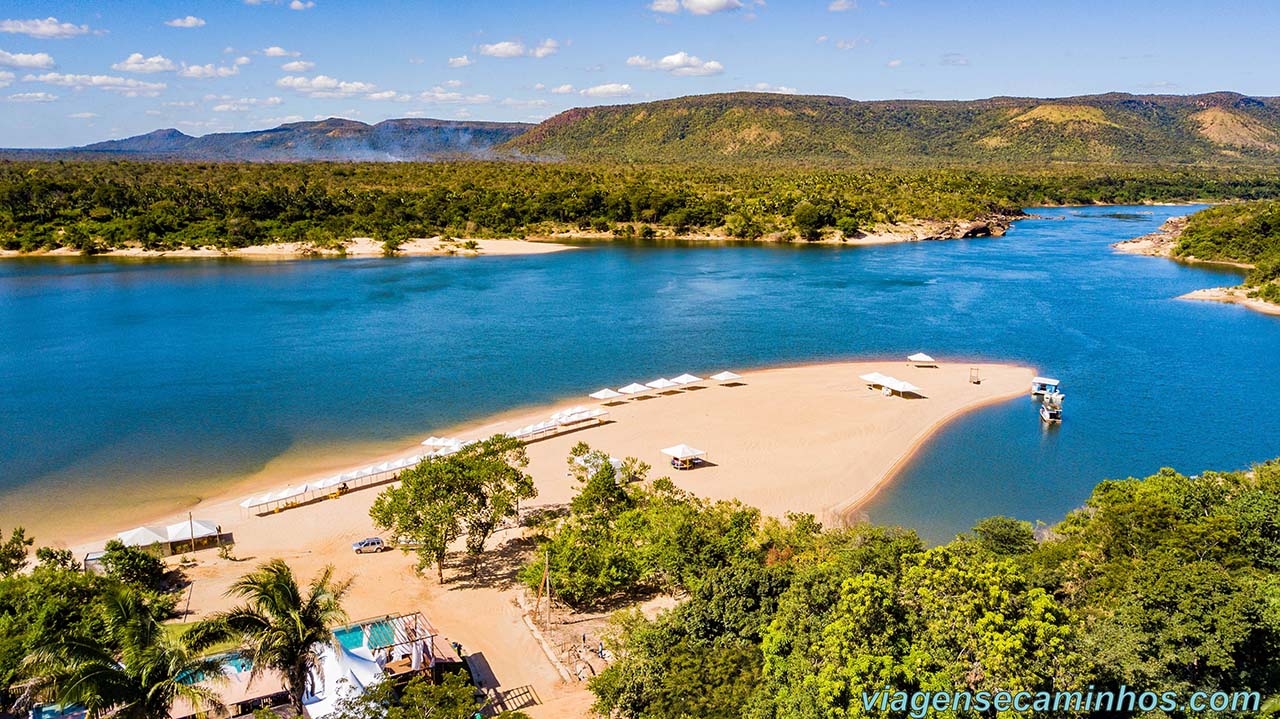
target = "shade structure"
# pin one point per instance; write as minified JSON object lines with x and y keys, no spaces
{"x":683,"y":451}
{"x":290,"y":492}
{"x":920,"y":358}
{"x":183,"y":531}
{"x":605,"y":393}
{"x":893,"y":383}
{"x":143,"y":536}
{"x":686,"y":378}
{"x":250,"y":502}
{"x":633,"y":388}
{"x":1045,"y":381}
{"x":662,"y":383}
{"x":725,"y":376}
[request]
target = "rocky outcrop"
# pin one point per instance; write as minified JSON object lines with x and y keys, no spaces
{"x":1160,"y":243}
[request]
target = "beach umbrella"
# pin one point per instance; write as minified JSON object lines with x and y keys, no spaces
{"x":662,"y":383}
{"x":683,"y":451}
{"x":605,"y":393}
{"x":686,"y":378}
{"x":725,"y":376}
{"x":633,"y":388}
{"x":920,"y":358}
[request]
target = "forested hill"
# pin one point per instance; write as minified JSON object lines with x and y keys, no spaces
{"x":334,"y":139}
{"x":1248,"y":232}
{"x":1214,"y":128}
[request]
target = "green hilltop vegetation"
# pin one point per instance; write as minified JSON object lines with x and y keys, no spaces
{"x":1248,"y":233}
{"x":1168,"y":584}
{"x":1217,"y":128}
{"x":97,"y":206}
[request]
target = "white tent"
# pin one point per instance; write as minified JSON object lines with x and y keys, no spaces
{"x":633,"y":388}
{"x":686,"y":378}
{"x":662,"y":383}
{"x":725,"y":376}
{"x":921,"y":358}
{"x":290,"y":492}
{"x":892,"y":383}
{"x":605,"y":393}
{"x":143,"y":536}
{"x":181,"y":531}
{"x":683,"y":451}
{"x":873,"y":378}
{"x":250,"y":502}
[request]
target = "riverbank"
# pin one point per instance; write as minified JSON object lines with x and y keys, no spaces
{"x":1164,"y":241}
{"x":356,"y":247}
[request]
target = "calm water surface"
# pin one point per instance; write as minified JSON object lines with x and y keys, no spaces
{"x":189,"y":373}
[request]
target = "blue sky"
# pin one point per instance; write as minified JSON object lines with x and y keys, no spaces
{"x":77,"y":72}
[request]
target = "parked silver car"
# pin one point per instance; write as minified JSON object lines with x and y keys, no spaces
{"x":369,"y":544}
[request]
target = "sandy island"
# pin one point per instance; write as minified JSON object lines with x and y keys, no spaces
{"x":808,"y":438}
{"x":356,"y":247}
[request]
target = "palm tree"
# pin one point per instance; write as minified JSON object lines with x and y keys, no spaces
{"x":134,"y":670}
{"x":280,"y":627}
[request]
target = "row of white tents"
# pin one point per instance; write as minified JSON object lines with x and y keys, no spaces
{"x":662,"y":383}
{"x":364,"y":476}
{"x":184,"y":531}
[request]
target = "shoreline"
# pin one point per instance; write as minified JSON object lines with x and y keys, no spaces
{"x":877,"y":432}
{"x":1232,"y":296}
{"x":357,"y":247}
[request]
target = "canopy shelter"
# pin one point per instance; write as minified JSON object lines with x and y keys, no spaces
{"x":605,"y":393}
{"x":686,"y":378}
{"x":683,"y":456}
{"x":921,"y":359}
{"x":434,"y":441}
{"x":633,"y":388}
{"x":144,"y":536}
{"x":192,"y":529}
{"x":662,"y":383}
{"x":725,"y":376}
{"x":889,"y":384}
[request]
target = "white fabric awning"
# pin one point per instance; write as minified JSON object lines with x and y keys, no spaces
{"x":893,"y":383}
{"x":683,"y":451}
{"x":686,"y":378}
{"x":1044,"y":380}
{"x":181,"y":531}
{"x":143,"y":536}
{"x":725,"y":376}
{"x":661,"y":383}
{"x":633,"y":388}
{"x":921,"y":358}
{"x":605,"y":393}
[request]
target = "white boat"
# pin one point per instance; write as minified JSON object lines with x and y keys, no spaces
{"x":1050,"y":414}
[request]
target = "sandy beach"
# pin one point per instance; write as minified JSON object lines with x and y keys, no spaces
{"x":1233,"y":296}
{"x":809,"y":438}
{"x":356,"y":247}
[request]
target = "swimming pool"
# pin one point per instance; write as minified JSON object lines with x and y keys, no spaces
{"x":381,"y":634}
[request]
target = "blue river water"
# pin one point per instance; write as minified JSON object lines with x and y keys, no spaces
{"x":165,"y":373}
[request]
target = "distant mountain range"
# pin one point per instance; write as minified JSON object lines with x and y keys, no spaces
{"x":1216,"y":128}
{"x":334,"y":139}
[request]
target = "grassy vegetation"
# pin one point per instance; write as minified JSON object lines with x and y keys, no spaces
{"x":94,"y":206}
{"x":1248,"y":233}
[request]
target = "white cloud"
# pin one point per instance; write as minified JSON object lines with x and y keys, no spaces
{"x":821,"y":39}
{"x":849,"y":44}
{"x":284,"y":119}
{"x":204,"y":72}
{"x":137,"y":63}
{"x":680,"y":63}
{"x":842,"y":5}
{"x":440,"y":95}
{"x":126,"y":86}
{"x":32,"y":97}
{"x":609,"y":89}
{"x":182,"y":103}
{"x":460,"y":61}
{"x":777,"y":89}
{"x":539,"y":86}
{"x":564,"y":89}
{"x":695,"y":7}
{"x":298,"y":66}
{"x":506,"y":48}
{"x":513,"y":102}
{"x":46,"y":29}
{"x":301,"y":5}
{"x":152,"y":113}
{"x":388,"y":95}
{"x":82,"y":115}
{"x":6,"y":78}
{"x":243,"y":60}
{"x":26,"y":61}
{"x":187,"y":22}
{"x":277,"y":51}
{"x":244,"y":104}
{"x":894,"y":63}
{"x":954,"y":58}
{"x":324,"y":86}
{"x":545,"y":48}
{"x":453,"y":83}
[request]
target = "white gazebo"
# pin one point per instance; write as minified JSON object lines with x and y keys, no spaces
{"x":921,"y":359}
{"x":725,"y":376}
{"x":686,"y":378}
{"x":633,"y":388}
{"x":683,"y":456}
{"x":662,"y":383}
{"x":605,"y":393}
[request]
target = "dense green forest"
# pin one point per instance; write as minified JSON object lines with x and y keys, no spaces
{"x":94,"y":206}
{"x":1247,"y":232}
{"x":1165,"y":584}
